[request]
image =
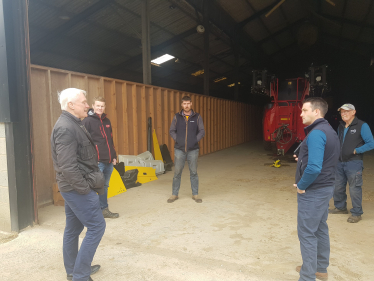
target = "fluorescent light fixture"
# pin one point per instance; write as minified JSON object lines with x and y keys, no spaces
{"x":232,"y":85}
{"x":197,"y":73}
{"x":162,"y":59}
{"x":220,"y":79}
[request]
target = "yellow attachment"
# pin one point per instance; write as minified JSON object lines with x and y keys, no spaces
{"x":116,"y":185}
{"x":276,"y":164}
{"x":156,"y":147}
{"x":145,"y":174}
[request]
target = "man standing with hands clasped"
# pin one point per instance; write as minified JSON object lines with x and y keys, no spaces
{"x":187,"y":129}
{"x":315,"y":175}
{"x":355,"y":138}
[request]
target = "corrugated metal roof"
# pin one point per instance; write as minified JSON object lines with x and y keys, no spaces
{"x":259,"y":5}
{"x":285,"y":38}
{"x":256,"y":30}
{"x":240,"y":11}
{"x":44,"y":16}
{"x":76,"y":6}
{"x":275,"y":20}
{"x":112,"y":35}
{"x":357,"y":10}
{"x":367,"y":36}
{"x":350,"y":31}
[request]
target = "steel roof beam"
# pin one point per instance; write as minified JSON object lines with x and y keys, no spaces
{"x":348,"y":21}
{"x":256,"y":15}
{"x":288,"y":27}
{"x":227,"y":24}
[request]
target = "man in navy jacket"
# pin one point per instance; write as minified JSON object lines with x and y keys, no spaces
{"x":355,"y":138}
{"x":100,"y":128}
{"x":315,"y":176}
{"x":187,"y":129}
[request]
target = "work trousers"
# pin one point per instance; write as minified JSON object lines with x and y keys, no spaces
{"x":350,"y":171}
{"x":313,"y":231}
{"x":81,"y":211}
{"x":106,"y":169}
{"x":180,"y":158}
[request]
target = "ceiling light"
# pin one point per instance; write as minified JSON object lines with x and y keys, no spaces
{"x":162,"y":59}
{"x":197,"y":73}
{"x":232,"y":85}
{"x":220,"y":79}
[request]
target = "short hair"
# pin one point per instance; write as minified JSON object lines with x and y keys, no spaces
{"x":186,"y":98}
{"x":318,"y":103}
{"x":100,"y":99}
{"x":69,"y":95}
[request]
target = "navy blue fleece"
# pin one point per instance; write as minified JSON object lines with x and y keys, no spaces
{"x":316,"y":143}
{"x":366,"y":135}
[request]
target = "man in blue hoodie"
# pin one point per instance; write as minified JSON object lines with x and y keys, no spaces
{"x":315,"y":176}
{"x":187,"y":129}
{"x":355,"y":139}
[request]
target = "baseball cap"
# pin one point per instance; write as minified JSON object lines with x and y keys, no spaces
{"x":347,"y":106}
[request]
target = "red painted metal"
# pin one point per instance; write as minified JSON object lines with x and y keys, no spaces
{"x":283,"y":112}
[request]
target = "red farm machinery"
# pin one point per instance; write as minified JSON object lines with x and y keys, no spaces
{"x":282,"y":124}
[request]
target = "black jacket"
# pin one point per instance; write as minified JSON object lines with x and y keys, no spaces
{"x":351,"y":141}
{"x":102,"y":135}
{"x":187,"y":132}
{"x":330,"y":158}
{"x":74,"y":156}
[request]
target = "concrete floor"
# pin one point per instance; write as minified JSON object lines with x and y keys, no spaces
{"x":245,"y":229}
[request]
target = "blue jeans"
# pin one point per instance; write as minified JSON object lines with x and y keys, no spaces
{"x":106,"y":169}
{"x":81,"y":211}
{"x":350,"y":171}
{"x":313,"y":232}
{"x":180,"y":158}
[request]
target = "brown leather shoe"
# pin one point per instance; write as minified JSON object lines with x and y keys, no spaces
{"x":172,"y":198}
{"x":354,"y":219}
{"x":319,"y":275}
{"x":197,"y":199}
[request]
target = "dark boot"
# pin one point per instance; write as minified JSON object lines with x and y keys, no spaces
{"x":108,"y":214}
{"x":338,"y":211}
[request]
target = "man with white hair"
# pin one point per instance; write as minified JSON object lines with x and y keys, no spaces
{"x":79,"y":181}
{"x":355,"y":139}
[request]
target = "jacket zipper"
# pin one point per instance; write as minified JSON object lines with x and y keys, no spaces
{"x":110,"y":155}
{"x":342,"y":139}
{"x":98,"y":154}
{"x":101,"y":132}
{"x":186,"y":133}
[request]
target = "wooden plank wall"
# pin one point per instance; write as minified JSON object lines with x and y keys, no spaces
{"x":128,"y":105}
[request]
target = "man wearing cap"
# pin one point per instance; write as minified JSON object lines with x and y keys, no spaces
{"x":355,"y":139}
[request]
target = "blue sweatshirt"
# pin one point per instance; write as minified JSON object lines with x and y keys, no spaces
{"x":316,"y":142}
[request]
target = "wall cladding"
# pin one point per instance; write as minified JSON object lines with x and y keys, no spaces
{"x":128,"y":105}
